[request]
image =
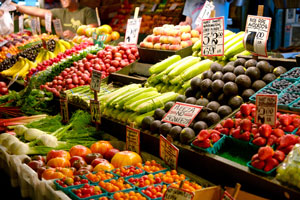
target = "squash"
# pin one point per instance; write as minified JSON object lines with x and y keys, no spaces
{"x":124,"y":158}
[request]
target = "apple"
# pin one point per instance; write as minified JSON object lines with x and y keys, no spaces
{"x":38,"y":157}
{"x":149,"y":45}
{"x":156,"y":39}
{"x":165,"y":46}
{"x":175,"y":47}
{"x":92,"y":156}
{"x":195,"y":33}
{"x":96,"y":161}
{"x":157,"y":46}
{"x":35,"y":164}
{"x":111,"y":70}
{"x":149,"y":38}
{"x":194,"y":40}
{"x":163,"y":39}
{"x":184,"y":44}
{"x":157,"y":30}
{"x":185,"y":36}
{"x":41,"y":170}
{"x":115,"y":63}
{"x":110,"y":153}
{"x":185,"y":28}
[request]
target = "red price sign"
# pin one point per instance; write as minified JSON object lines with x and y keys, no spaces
{"x":133,"y":139}
{"x":266,"y":109}
{"x":168,"y":152}
{"x":173,"y":193}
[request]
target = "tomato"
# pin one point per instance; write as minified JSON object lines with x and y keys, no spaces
{"x":79,"y":150}
{"x":101,"y":147}
{"x":124,"y":158}
{"x":57,"y":173}
{"x":58,"y":153}
{"x":59,"y":162}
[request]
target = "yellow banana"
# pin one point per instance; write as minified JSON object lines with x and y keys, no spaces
{"x":16,"y":67}
{"x":59,"y":47}
{"x":65,"y":43}
{"x":23,"y":70}
{"x":51,"y":55}
{"x":40,"y":56}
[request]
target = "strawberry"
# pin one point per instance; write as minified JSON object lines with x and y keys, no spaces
{"x":278,"y":132}
{"x":228,"y":123}
{"x":287,"y":140}
{"x":252,"y":105}
{"x":203,"y":135}
{"x":285,"y":119}
{"x":270,"y":164}
{"x":289,"y":128}
{"x":238,"y":115}
{"x":253,"y":112}
{"x":279,"y":155}
{"x":287,"y":149}
{"x":224,"y":131}
{"x":214,"y":137}
{"x":265,"y":130}
{"x":271,"y":140}
{"x":259,"y":164}
{"x":218,"y":126}
{"x":245,"y":136}
{"x":259,"y":141}
{"x":254,"y":157}
{"x":277,"y":123}
{"x":245,"y":109}
{"x":256,"y":135}
{"x":254,"y":130}
{"x":246,"y":125}
{"x":236,"y":133}
{"x":265,"y":152}
{"x":205,"y":144}
{"x":296,"y":121}
{"x":237,"y":122}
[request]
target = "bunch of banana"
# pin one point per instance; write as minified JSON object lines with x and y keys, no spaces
{"x":44,"y":55}
{"x":61,"y":46}
{"x":20,"y":68}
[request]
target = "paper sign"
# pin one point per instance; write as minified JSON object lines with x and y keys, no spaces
{"x":205,"y":12}
{"x":38,"y":25}
{"x":21,"y":23}
{"x":142,"y":7}
{"x":64,"y":110}
{"x":212,"y":37}
{"x":13,"y":80}
{"x":95,"y":111}
{"x":168,"y":152}
{"x":132,"y":30}
{"x":266,"y":109}
{"x":48,"y":18}
{"x":173,"y":193}
{"x":182,"y":114}
{"x":96,"y":80}
{"x":58,"y":27}
{"x":133,"y":139}
{"x":3,"y":43}
{"x":173,"y":6}
{"x":257,"y":34}
{"x":33,"y":26}
{"x":101,"y":39}
{"x":153,"y":7}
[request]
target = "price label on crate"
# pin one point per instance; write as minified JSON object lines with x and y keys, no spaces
{"x":205,"y":12}
{"x":173,"y":193}
{"x":173,"y":6}
{"x":257,"y":34}
{"x":33,"y":26}
{"x":266,"y":109}
{"x":96,"y":80}
{"x":95,"y":111}
{"x":132,"y":30}
{"x":168,"y":152}
{"x":48,"y":19}
{"x":64,"y":110}
{"x":133,"y":139}
{"x":58,"y":28}
{"x":212,"y":37}
{"x":38,"y":25}
{"x":21,"y":23}
{"x":182,"y":114}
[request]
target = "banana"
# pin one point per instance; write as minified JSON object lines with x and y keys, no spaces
{"x":24,"y":70}
{"x":51,"y":55}
{"x":15,"y":68}
{"x":59,"y":47}
{"x":40,"y":56}
{"x":65,"y":43}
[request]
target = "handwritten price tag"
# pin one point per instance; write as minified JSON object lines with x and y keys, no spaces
{"x":212,"y":37}
{"x":96,"y":80}
{"x":132,"y":30}
{"x":257,"y":34}
{"x":58,"y":27}
{"x":205,"y":12}
{"x":173,"y":193}
{"x":95,"y":111}
{"x":182,"y":114}
{"x":21,"y":23}
{"x":266,"y":109}
{"x":133,"y":139}
{"x":64,"y":110}
{"x":48,"y":18}
{"x":173,"y":6}
{"x":168,"y":152}
{"x":33,"y":26}
{"x":38,"y":25}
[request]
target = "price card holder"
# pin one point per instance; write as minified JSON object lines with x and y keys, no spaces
{"x":142,"y":7}
{"x":205,"y":12}
{"x":154,"y":7}
{"x":133,"y":139}
{"x":58,"y":27}
{"x":12,"y":81}
{"x":38,"y":25}
{"x":266,"y":109}
{"x":173,"y":193}
{"x":96,"y":80}
{"x":182,"y":114}
{"x":168,"y":152}
{"x":95,"y":111}
{"x":64,"y":110}
{"x":132,"y":30}
{"x":173,"y":6}
{"x":33,"y":26}
{"x":212,"y":37}
{"x":48,"y":18}
{"x":101,"y":39}
{"x":21,"y":23}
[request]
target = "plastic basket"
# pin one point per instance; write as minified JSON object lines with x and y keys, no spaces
{"x":277,"y":80}
{"x":286,"y":106}
{"x":72,"y":195}
{"x":294,"y":84}
{"x":297,"y":109}
{"x":136,"y":191}
{"x":238,"y":142}
{"x":290,"y":71}
{"x":163,"y":170}
{"x":66,"y":189}
{"x":125,"y":190}
{"x":252,"y":99}
{"x":136,"y":187}
{"x":135,"y":175}
{"x":115,"y":176}
{"x":149,"y":198}
{"x":215,"y":148}
{"x":272,"y":172}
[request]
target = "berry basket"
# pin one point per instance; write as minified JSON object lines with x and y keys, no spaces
{"x":293,"y":88}
{"x":166,"y":168}
{"x":215,"y":148}
{"x":66,"y":189}
{"x":264,"y":90}
{"x":285,"y":82}
{"x":149,"y":198}
{"x":114,"y":176}
{"x":124,"y":190}
{"x":272,"y":172}
{"x":286,"y":106}
{"x":291,"y":74}
{"x":134,"y":175}
{"x":136,"y":191}
{"x":292,"y":107}
{"x":137,"y":187}
{"x":72,"y":195}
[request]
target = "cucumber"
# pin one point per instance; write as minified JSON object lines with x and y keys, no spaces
{"x":180,"y":68}
{"x":161,"y":66}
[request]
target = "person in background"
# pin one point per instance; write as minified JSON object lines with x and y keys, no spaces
{"x":71,"y":15}
{"x":192,"y":9}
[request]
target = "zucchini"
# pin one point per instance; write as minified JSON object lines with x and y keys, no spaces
{"x":125,"y":116}
{"x":138,"y":97}
{"x":238,"y":37}
{"x":228,"y":38}
{"x":197,"y":46}
{"x":235,"y":49}
{"x":133,"y":105}
{"x":180,"y":68}
{"x":161,"y":66}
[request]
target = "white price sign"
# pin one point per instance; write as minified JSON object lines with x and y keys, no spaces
{"x":153,"y":7}
{"x":132,"y":30}
{"x":96,"y":80}
{"x":58,"y":27}
{"x":205,"y":12}
{"x":33,"y":26}
{"x":182,"y":114}
{"x":95,"y":111}
{"x":168,"y":152}
{"x":48,"y":19}
{"x":173,"y":6}
{"x":21,"y":23}
{"x":266,"y":109}
{"x":257,"y":34}
{"x":212,"y":37}
{"x":142,"y":7}
{"x":173,"y":193}
{"x":133,"y":139}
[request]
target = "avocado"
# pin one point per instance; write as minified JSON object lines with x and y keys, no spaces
{"x":207,"y":74}
{"x":230,"y":89}
{"x":250,"y":63}
{"x":247,"y":94}
{"x":243,"y":81}
{"x":212,"y":118}
{"x":189,"y":92}
{"x":227,"y":68}
{"x":279,"y":70}
{"x":191,"y":100}
{"x":239,"y":70}
{"x":165,"y":128}
{"x":198,"y":94}
{"x":216,"y":76}
{"x":198,"y":126}
{"x":215,"y":67}
{"x":217,"y":86}
{"x":159,"y":114}
{"x":228,"y":76}
{"x":253,"y":73}
{"x":195,"y":83}
{"x":211,"y":96}
{"x":146,"y":122}
{"x":180,"y":98}
{"x":239,"y":61}
{"x":186,"y":135}
{"x":224,"y":110}
{"x":213,"y":105}
{"x":222,"y":99}
{"x":154,"y":126}
{"x":175,"y":132}
{"x":205,"y":86}
{"x":257,"y":85}
{"x":272,"y":68}
{"x":269,"y":77}
{"x":202,"y":101}
{"x":169,"y":105}
{"x":264,"y":67}
{"x":235,"y":102}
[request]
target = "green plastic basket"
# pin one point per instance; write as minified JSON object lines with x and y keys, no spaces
{"x":72,"y":195}
{"x":262,"y":172}
{"x":127,"y":177}
{"x":215,"y":148}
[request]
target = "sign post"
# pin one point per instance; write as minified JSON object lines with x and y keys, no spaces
{"x":266,"y":109}
{"x":58,"y":27}
{"x":64,"y":109}
{"x":33,"y":26}
{"x":94,"y":104}
{"x":173,"y":193}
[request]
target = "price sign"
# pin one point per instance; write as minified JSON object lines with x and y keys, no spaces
{"x":58,"y":27}
{"x":12,"y":81}
{"x":38,"y":25}
{"x":64,"y":110}
{"x":48,"y":18}
{"x":101,"y":39}
{"x":205,"y":12}
{"x":173,"y":6}
{"x":33,"y":26}
{"x":133,"y":139}
{"x":266,"y":109}
{"x":132,"y":30}
{"x":173,"y":193}
{"x":182,"y":114}
{"x":96,"y":80}
{"x":212,"y":37}
{"x":168,"y":152}
{"x":95,"y":111}
{"x":257,"y":34}
{"x":3,"y":43}
{"x":142,"y":7}
{"x":153,"y":7}
{"x":21,"y":23}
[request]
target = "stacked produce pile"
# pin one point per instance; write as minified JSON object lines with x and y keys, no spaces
{"x":3,"y":88}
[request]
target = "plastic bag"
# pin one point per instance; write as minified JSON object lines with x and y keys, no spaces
{"x":289,"y":171}
{"x":6,"y":21}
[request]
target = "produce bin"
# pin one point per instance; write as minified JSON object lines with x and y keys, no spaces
{"x":215,"y":148}
{"x":262,"y":172}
